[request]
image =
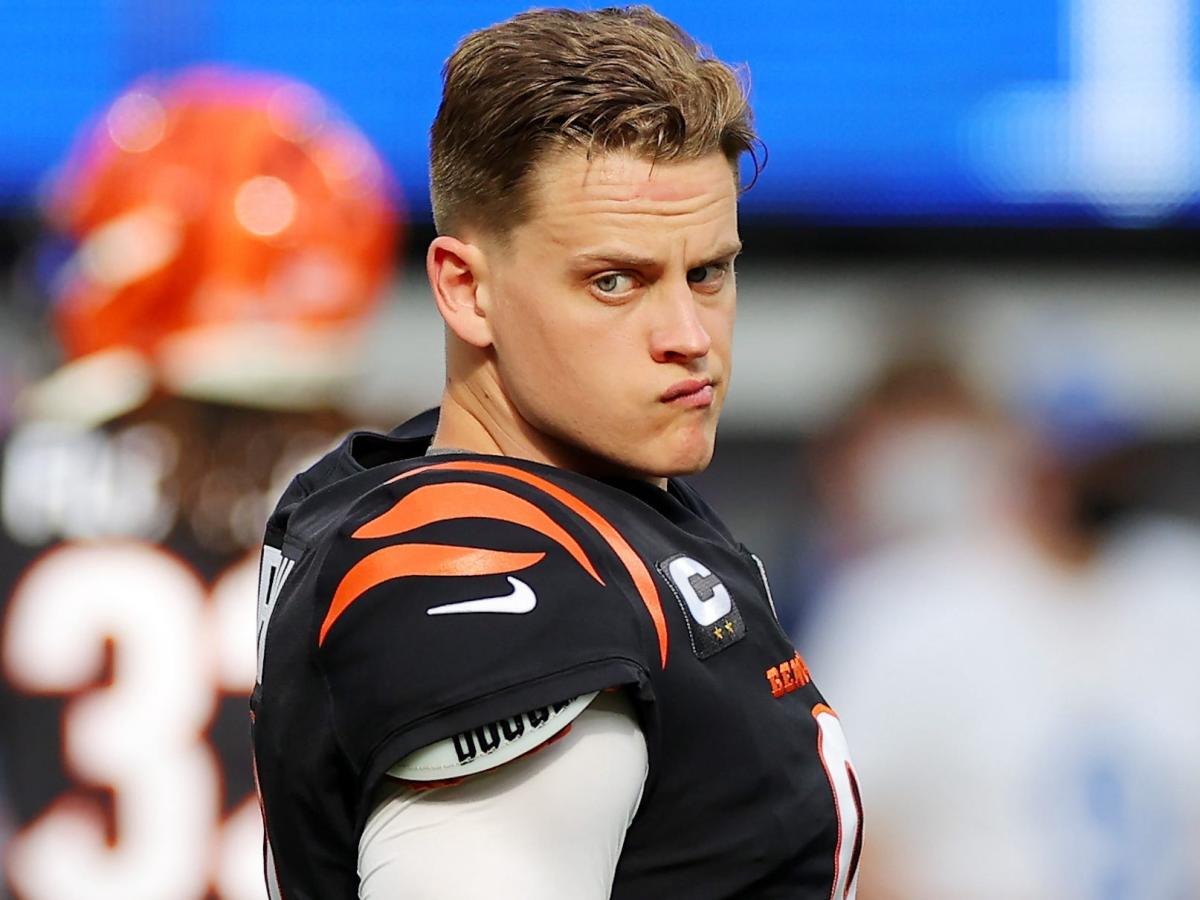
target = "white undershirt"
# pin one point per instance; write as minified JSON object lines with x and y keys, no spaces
{"x":544,"y":827}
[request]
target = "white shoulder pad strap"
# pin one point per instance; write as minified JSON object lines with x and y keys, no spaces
{"x":489,"y":745}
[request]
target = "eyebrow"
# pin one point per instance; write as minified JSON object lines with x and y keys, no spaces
{"x":624,"y":259}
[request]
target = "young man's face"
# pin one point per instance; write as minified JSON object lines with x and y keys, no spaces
{"x":612,"y":310}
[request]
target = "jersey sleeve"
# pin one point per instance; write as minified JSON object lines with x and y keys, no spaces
{"x":451,"y":607}
{"x":549,"y":826}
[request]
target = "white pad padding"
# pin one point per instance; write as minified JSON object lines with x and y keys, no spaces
{"x":489,"y":746}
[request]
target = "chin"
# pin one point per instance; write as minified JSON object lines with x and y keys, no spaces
{"x":684,"y":452}
{"x":690,"y":466}
{"x":686,"y":460}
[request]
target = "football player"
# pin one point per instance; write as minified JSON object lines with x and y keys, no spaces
{"x":223,"y":236}
{"x":504,"y":652}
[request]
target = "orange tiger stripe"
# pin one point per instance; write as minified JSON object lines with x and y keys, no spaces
{"x":439,"y":502}
{"x":400,"y":560}
{"x":642,"y":579}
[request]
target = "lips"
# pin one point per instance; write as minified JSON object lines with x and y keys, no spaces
{"x":692,"y":392}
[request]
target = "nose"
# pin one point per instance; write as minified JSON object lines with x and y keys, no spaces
{"x":678,"y":334}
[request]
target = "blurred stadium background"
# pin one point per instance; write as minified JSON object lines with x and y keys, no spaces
{"x":964,"y":431}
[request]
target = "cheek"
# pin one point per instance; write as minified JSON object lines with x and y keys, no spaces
{"x":718,"y":322}
{"x":529,"y":357}
{"x":584,"y":361}
{"x":543,"y":354}
{"x":524,"y":332}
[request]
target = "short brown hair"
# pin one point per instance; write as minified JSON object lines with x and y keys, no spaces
{"x":604,"y":80}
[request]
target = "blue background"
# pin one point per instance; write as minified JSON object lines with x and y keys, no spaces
{"x":862,"y":105}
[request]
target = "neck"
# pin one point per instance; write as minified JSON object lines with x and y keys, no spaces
{"x":479,"y":418}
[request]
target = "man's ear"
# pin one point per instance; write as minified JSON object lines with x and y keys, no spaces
{"x":458,"y":276}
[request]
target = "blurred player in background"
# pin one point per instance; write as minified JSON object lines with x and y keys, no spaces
{"x":227,"y":236}
{"x":1016,"y":661}
{"x":507,"y":654}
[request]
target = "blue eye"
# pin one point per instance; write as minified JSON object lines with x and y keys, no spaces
{"x":615,"y":283}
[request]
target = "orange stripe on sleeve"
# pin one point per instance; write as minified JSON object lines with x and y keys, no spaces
{"x":401,"y":560}
{"x":643,"y":581}
{"x":439,"y":502}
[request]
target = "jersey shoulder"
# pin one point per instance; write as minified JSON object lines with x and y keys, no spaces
{"x":441,"y":528}
{"x":458,"y":592}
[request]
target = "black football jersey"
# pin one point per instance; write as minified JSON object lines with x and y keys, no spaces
{"x":750,"y":791}
{"x":127,"y":648}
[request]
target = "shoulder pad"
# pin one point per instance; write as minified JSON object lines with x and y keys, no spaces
{"x":459,"y":532}
{"x":453,"y":596}
{"x":490,"y":746}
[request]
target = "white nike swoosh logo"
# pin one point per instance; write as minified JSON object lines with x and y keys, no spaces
{"x":521,"y":600}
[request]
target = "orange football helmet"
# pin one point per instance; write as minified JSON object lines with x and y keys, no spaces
{"x":232,"y":232}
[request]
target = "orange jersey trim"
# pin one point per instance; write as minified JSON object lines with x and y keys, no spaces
{"x":430,"y":503}
{"x":642,"y":579}
{"x":401,"y":560}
